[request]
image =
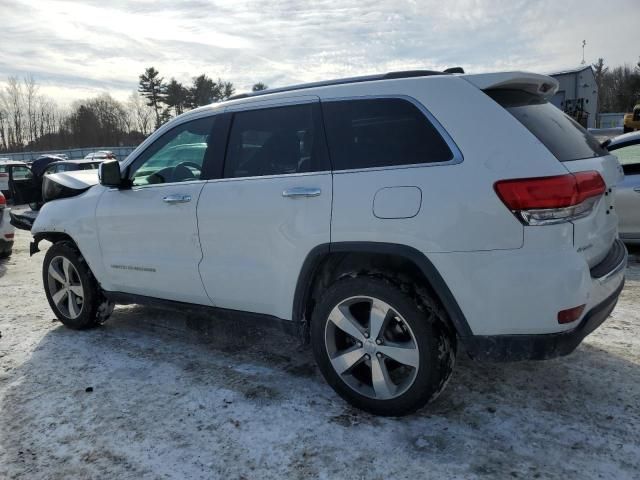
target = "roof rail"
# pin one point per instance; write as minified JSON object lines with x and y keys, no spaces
{"x":342,"y":81}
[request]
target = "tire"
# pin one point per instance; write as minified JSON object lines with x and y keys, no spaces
{"x":6,"y":254}
{"x":626,"y":129}
{"x":72,"y":291}
{"x":35,"y":206}
{"x":414,"y":322}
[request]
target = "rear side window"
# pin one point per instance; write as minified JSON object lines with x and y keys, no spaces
{"x":381,"y":132}
{"x":562,"y":135}
{"x":276,"y":141}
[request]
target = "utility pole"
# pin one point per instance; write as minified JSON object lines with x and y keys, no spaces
{"x":584,"y":44}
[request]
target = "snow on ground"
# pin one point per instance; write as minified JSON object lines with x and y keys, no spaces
{"x":230,"y":402}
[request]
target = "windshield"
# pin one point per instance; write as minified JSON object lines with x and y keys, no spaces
{"x":561,"y":134}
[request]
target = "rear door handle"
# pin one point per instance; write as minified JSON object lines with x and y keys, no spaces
{"x":171,"y":199}
{"x":301,"y":192}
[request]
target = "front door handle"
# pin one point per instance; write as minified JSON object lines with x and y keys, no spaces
{"x":171,"y":199}
{"x":301,"y":192}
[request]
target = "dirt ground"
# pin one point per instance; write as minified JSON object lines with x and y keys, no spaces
{"x":167,"y":401}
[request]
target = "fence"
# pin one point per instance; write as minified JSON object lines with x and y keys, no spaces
{"x":73,"y":153}
{"x":610,"y":120}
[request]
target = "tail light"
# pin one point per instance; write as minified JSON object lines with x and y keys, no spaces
{"x":3,"y":201}
{"x":550,"y":200}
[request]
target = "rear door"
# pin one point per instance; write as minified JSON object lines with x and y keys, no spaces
{"x":271,"y":207}
{"x":627,"y":195}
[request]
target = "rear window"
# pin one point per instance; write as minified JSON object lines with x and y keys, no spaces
{"x":562,"y":135}
{"x":381,"y":132}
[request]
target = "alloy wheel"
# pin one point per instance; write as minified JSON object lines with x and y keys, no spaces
{"x":371,"y":347}
{"x":65,"y":287}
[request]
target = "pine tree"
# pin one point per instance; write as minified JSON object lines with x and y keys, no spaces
{"x":176,"y":96}
{"x":152,"y":88}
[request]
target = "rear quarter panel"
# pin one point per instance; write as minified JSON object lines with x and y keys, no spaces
{"x":459,"y":210}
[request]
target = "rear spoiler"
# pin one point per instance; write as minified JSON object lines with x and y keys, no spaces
{"x":534,"y":83}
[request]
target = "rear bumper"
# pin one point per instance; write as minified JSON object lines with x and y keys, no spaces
{"x":607,"y":281}
{"x":5,"y":245}
{"x":502,"y":348}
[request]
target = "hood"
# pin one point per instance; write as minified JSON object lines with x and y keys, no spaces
{"x":68,"y":184}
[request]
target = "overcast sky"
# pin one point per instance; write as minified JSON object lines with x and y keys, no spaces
{"x":79,"y":49}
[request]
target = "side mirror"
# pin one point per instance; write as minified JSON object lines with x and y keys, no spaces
{"x":109,"y":174}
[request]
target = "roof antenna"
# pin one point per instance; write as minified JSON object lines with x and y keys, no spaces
{"x":584,"y":44}
{"x":454,"y":70}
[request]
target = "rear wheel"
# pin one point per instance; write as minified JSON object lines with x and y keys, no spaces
{"x":380,"y":348}
{"x":72,"y":291}
{"x":626,"y":129}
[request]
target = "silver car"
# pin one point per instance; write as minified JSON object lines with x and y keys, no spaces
{"x":627,"y":149}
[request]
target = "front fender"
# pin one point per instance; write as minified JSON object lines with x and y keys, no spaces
{"x":73,"y":218}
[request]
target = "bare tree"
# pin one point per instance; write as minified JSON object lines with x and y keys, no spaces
{"x":140,"y":113}
{"x":30,"y":98}
{"x":14,"y":95}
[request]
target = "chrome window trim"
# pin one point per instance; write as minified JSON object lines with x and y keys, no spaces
{"x":262,"y":103}
{"x":135,"y":188}
{"x":455,"y":150}
{"x":269,"y":177}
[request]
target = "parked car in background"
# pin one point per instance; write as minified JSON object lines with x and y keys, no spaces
{"x":72,"y":165}
{"x":13,"y":172}
{"x":628,"y":191}
{"x":631,"y":120}
{"x":6,"y":229}
{"x":101,"y":155}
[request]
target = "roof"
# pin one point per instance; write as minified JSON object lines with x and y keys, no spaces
{"x":342,"y":81}
{"x":572,"y":70}
{"x":81,"y":160}
{"x":7,"y":161}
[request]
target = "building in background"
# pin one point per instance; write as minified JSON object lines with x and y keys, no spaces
{"x":578,"y":94}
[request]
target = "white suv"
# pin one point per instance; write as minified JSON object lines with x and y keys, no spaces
{"x":387,"y":219}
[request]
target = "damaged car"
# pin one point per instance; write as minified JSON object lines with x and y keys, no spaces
{"x":373,"y":216}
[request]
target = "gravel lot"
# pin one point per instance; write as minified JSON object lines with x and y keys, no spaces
{"x":168,"y":401}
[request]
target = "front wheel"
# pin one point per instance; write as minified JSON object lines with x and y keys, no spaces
{"x":381,"y":349}
{"x":73,"y":293}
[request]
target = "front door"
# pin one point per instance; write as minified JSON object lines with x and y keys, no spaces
{"x":148,"y":234}
{"x":271,"y":208}
{"x":23,"y":187}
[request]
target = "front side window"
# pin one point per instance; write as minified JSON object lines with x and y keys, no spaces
{"x":177,"y":156}
{"x":22,"y":173}
{"x":275,"y":141}
{"x":381,"y":132}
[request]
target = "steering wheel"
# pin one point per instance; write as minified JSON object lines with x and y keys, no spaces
{"x":182,"y":171}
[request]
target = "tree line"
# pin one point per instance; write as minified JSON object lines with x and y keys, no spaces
{"x":172,"y":98}
{"x":618,"y":88}
{"x":31,"y":121}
